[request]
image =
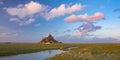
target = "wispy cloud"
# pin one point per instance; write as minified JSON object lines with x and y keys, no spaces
{"x":22,"y":23}
{"x":26,"y":10}
{"x":29,"y":21}
{"x":34,"y":7}
{"x":5,"y":34}
{"x":67,"y":31}
{"x":118,"y":17}
{"x":31,"y":9}
{"x":21,"y":12}
{"x":14,"y":20}
{"x":37,"y":25}
{"x":62,"y":10}
{"x":85,"y":17}
{"x":89,"y":27}
{"x":102,"y":7}
{"x":67,"y":38}
{"x":117,"y":10}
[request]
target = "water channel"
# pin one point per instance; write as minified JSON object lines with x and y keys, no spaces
{"x":42,"y":55}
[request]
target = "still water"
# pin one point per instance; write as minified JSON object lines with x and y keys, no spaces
{"x":33,"y":56}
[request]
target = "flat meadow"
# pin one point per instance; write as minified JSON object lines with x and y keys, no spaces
{"x":15,"y":49}
{"x":81,"y":52}
{"x":91,"y":52}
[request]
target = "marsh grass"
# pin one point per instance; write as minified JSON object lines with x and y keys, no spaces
{"x":82,"y":52}
{"x":91,"y":52}
{"x":14,"y":49}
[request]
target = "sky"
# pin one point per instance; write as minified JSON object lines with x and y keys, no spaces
{"x":69,"y":21}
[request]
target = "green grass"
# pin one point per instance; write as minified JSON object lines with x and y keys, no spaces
{"x":82,"y":52}
{"x":91,"y":52}
{"x":14,"y":49}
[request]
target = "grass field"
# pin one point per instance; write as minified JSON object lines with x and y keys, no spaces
{"x":14,"y":49}
{"x":91,"y":52}
{"x":82,"y":52}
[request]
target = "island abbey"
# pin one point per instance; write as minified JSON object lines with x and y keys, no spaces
{"x":49,"y":40}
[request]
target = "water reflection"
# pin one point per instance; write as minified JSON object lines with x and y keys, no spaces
{"x":33,"y":56}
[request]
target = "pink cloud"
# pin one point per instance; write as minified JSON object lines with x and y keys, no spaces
{"x":62,"y":10}
{"x":85,"y":28}
{"x":85,"y":17}
{"x":15,"y":20}
{"x":34,"y":7}
{"x":22,"y":11}
{"x":28,"y":9}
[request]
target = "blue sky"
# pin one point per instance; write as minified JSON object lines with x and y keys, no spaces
{"x":78,"y":21}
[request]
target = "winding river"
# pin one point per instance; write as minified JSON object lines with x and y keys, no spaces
{"x":33,"y":56}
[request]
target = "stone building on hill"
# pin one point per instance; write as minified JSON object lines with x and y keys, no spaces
{"x":49,"y":40}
